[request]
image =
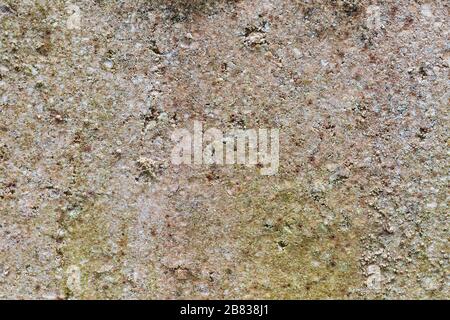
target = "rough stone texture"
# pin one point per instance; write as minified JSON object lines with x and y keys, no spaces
{"x":92,"y":208}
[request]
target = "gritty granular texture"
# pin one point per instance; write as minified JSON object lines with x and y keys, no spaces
{"x":91,"y":206}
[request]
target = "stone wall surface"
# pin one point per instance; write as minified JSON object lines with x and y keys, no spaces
{"x":92,"y":207}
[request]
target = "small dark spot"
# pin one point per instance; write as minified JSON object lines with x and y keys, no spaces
{"x":422,"y":133}
{"x":212,"y":176}
{"x":423,"y":72}
{"x":268,"y":225}
{"x":282,"y":244}
{"x":224,"y":67}
{"x":350,"y":8}
{"x":6,"y":9}
{"x":249,"y":30}
{"x":154,"y":47}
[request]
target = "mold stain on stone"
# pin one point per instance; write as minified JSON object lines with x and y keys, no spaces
{"x":298,"y":256}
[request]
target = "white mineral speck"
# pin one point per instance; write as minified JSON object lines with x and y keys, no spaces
{"x":426,"y":11}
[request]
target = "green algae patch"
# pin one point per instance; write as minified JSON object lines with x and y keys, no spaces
{"x":291,"y":249}
{"x":89,"y":258}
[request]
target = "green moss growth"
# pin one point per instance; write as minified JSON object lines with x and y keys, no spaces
{"x":289,"y":251}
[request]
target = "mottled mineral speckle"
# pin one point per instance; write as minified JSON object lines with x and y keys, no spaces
{"x":92,"y":208}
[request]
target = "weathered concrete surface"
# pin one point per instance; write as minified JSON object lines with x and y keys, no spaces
{"x":91,"y":206}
